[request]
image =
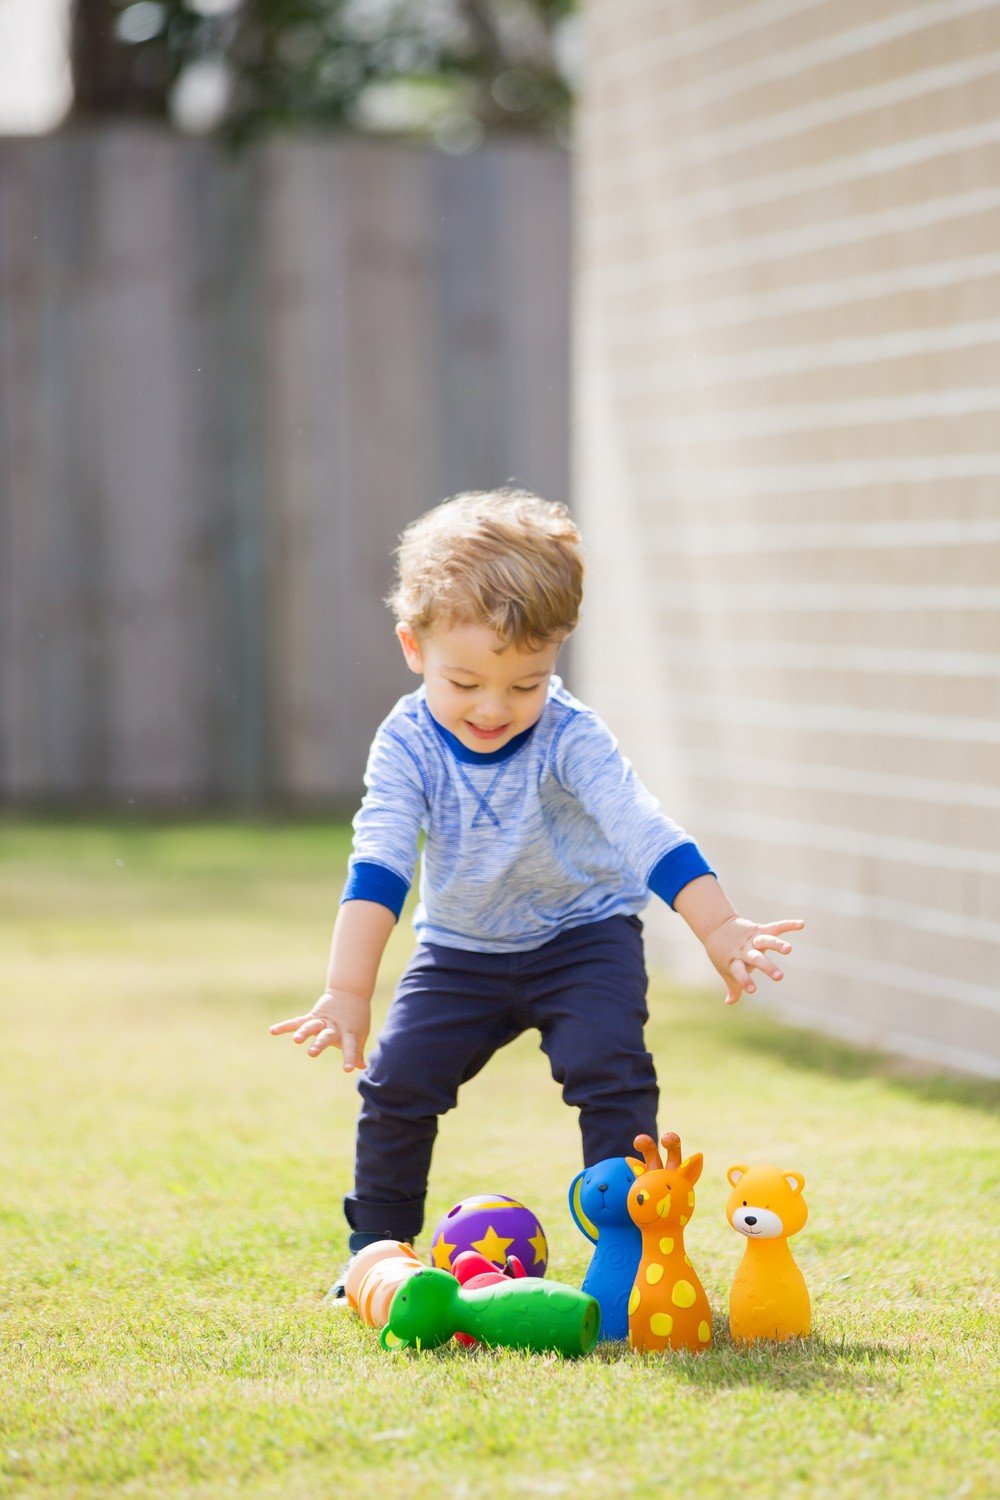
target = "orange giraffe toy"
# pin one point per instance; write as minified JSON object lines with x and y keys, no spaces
{"x":668,"y":1308}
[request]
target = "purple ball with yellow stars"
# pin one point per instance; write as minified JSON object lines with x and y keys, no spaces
{"x":495,"y":1226}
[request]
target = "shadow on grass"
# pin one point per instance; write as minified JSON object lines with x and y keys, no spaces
{"x":811,"y":1051}
{"x":796,"y":1364}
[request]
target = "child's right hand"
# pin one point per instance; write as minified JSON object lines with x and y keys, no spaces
{"x":338,"y":1019}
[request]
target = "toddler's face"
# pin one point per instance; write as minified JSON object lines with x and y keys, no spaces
{"x":482,"y":695}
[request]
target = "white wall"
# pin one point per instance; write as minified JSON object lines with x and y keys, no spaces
{"x":35,"y":85}
{"x":788,"y":467}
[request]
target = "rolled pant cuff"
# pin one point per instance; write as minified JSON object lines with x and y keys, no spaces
{"x":387,"y":1221}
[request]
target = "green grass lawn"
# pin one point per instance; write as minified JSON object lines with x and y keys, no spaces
{"x":170,"y":1212}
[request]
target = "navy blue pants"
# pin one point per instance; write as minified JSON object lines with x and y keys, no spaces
{"x":585,"y":991}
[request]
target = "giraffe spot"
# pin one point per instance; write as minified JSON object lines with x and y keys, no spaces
{"x":684,"y":1219}
{"x":661,"y":1324}
{"x":688,"y":1261}
{"x":704,"y":1332}
{"x":666,"y":1245}
{"x":633,"y":1301}
{"x":683,"y":1294}
{"x":690,"y":1200}
{"x":654,"y":1273}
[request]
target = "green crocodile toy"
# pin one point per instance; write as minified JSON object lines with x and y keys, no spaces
{"x":527,"y":1313}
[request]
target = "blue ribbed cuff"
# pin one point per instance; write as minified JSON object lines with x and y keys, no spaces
{"x":675,"y":870}
{"x":367,"y":881}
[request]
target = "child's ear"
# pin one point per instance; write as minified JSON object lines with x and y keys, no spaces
{"x":411,"y":647}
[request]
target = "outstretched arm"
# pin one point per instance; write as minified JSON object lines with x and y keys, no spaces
{"x":733,"y":943}
{"x":342,"y":1015}
{"x":386,"y":830}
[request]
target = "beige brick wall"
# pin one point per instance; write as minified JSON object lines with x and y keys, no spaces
{"x":788,"y":467}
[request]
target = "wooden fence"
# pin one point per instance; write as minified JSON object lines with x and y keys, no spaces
{"x":225,"y":384}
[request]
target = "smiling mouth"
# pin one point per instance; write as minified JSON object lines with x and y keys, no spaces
{"x":750,"y":1233}
{"x":487,"y":734}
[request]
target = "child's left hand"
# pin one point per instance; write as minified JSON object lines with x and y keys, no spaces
{"x":737,"y":946}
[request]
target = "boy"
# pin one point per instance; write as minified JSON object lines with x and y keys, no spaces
{"x":541,"y":848}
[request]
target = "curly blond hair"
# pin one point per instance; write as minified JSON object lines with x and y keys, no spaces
{"x":501,"y":558}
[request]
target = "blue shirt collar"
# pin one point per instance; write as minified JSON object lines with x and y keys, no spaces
{"x":481,"y":757}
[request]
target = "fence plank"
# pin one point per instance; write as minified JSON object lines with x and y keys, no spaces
{"x":227,"y":385}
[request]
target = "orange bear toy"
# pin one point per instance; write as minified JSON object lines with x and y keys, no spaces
{"x":769,"y":1299}
{"x":668,"y":1308}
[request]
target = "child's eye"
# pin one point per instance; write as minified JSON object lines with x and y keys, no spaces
{"x":463,"y":687}
{"x":527,"y":689}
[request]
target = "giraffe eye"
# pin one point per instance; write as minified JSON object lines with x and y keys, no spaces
{"x":641,"y":1199}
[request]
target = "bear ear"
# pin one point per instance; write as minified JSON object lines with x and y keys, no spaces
{"x":638,"y":1167}
{"x":795,"y":1181}
{"x":734,"y":1174}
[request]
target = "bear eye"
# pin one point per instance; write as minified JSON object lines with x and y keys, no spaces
{"x":744,"y":1203}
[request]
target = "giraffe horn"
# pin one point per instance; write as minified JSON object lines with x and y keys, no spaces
{"x":672,"y":1141}
{"x":650,"y":1154}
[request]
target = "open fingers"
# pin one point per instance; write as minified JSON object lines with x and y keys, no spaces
{"x":756,"y":960}
{"x":763,"y":942}
{"x":353,"y":1051}
{"x":311,"y":1026}
{"x":327,"y":1037}
{"x":321,"y":1032}
{"x":741,"y":974}
{"x":280,"y":1027}
{"x":793,"y":924}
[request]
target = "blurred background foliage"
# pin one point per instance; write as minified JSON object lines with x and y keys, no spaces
{"x":451,"y":70}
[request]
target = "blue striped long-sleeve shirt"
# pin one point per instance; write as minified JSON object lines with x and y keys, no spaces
{"x":552,"y":830}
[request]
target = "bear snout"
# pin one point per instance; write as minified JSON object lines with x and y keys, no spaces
{"x":757,"y":1223}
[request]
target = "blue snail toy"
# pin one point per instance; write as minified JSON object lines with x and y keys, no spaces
{"x":598,"y":1198}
